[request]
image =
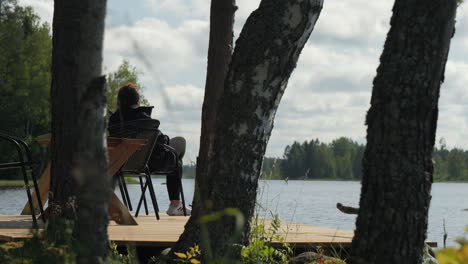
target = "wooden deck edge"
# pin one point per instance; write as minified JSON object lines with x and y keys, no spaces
{"x":301,"y":245}
{"x":157,"y":235}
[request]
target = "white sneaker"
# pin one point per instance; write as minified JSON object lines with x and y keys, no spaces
{"x":177,"y":210}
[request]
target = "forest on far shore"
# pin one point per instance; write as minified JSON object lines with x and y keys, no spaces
{"x":341,"y":160}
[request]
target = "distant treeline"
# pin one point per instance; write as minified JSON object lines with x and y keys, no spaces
{"x":341,"y":160}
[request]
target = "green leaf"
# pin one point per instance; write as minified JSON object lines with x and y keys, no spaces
{"x":180,"y":255}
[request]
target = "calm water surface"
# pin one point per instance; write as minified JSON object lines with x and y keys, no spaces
{"x":310,"y":202}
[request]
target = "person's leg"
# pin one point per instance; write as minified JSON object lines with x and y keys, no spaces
{"x":173,"y":187}
{"x":173,"y":179}
{"x":160,"y":163}
{"x":179,"y":144}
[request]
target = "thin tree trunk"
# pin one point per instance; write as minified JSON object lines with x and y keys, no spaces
{"x":80,"y":186}
{"x":402,"y":120}
{"x":265,"y":55}
{"x":219,"y":57}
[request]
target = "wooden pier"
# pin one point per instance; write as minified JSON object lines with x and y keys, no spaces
{"x":166,"y":231}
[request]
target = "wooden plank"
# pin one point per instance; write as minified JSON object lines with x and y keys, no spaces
{"x":166,"y":231}
{"x":111,"y":141}
{"x":119,"y":150}
{"x":43,"y":184}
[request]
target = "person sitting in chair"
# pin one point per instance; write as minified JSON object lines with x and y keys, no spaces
{"x":128,"y":109}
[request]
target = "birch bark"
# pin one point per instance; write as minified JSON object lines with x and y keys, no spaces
{"x":264,"y":57}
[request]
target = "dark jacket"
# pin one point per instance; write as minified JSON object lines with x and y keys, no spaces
{"x":118,"y":119}
{"x":120,"y":116}
{"x":160,"y":159}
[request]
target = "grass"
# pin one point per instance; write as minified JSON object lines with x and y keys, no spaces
{"x":129,"y":180}
{"x":11,"y":183}
{"x":19,"y":183}
{"x":451,"y":181}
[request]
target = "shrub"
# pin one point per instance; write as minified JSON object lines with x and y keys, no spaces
{"x":455,"y":255}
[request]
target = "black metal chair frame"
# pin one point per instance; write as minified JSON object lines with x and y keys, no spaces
{"x":122,"y":130}
{"x":178,"y":167}
{"x":130,"y":130}
{"x":148,"y":182}
{"x":26,"y":164}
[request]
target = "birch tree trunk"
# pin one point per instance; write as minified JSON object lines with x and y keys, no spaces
{"x":80,"y":186}
{"x":264,"y":57}
{"x":402,"y":120}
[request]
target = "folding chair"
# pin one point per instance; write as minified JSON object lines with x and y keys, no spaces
{"x":175,"y":168}
{"x":25,"y":163}
{"x":137,"y":164}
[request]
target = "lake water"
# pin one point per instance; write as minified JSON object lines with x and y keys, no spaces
{"x":310,"y":202}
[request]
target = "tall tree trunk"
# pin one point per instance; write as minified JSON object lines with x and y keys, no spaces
{"x":397,"y":165}
{"x":219,"y":57}
{"x":265,"y":55}
{"x":80,"y":186}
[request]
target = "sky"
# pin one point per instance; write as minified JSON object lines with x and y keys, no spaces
{"x":327,"y":96}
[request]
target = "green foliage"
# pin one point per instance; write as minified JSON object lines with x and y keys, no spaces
{"x":125,"y":73}
{"x":10,"y":183}
{"x":115,"y":257}
{"x":341,"y":159}
{"x":205,"y":220}
{"x":450,"y":165}
{"x":25,"y":77}
{"x":49,"y":247}
{"x":192,"y":255}
{"x":130,"y":180}
{"x":261,"y":249}
{"x":189,"y":171}
{"x":321,"y":258}
{"x":57,"y":246}
{"x":455,"y":255}
{"x":270,"y":169}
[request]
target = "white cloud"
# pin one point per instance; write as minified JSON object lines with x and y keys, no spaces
{"x":454,"y":91}
{"x":181,"y":98}
{"x":183,"y":117}
{"x":44,"y":8}
{"x":245,"y":8}
{"x":157,"y":43}
{"x":323,"y":68}
{"x":180,"y":8}
{"x":166,"y":55}
{"x":453,"y":126}
{"x":356,"y":21}
{"x":325,"y":116}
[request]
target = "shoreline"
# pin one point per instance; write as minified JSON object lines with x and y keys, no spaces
{"x":20,"y":183}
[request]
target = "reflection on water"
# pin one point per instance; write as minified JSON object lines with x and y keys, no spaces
{"x":308,"y":202}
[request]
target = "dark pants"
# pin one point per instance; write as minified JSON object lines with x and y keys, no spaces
{"x":173,"y":186}
{"x":161,"y":162}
